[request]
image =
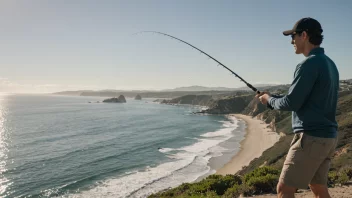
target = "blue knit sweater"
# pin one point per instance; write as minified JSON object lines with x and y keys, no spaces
{"x":312,"y":97}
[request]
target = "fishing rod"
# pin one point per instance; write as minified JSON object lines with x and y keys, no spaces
{"x":248,"y":84}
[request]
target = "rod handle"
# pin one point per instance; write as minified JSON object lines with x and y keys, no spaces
{"x":267,"y":104}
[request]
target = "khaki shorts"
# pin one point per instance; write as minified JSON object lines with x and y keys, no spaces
{"x":307,"y":161}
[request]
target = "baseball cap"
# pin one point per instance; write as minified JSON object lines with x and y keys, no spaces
{"x":305,"y":24}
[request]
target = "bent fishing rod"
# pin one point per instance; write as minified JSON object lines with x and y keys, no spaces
{"x":248,"y":84}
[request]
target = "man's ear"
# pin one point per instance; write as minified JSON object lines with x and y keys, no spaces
{"x":304,"y":35}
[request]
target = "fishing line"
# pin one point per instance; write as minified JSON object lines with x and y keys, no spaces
{"x":219,"y":63}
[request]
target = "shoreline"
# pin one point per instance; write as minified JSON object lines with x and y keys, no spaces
{"x":257,"y":139}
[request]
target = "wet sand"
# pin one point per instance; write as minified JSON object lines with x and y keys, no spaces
{"x":258,"y":138}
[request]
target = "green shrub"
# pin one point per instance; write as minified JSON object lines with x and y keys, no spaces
{"x":237,"y":190}
{"x":338,"y":178}
{"x":199,"y":188}
{"x":262,"y":171}
{"x":210,"y":194}
{"x":343,"y":178}
{"x":262,"y":180}
{"x":263,"y":184}
{"x":332,"y":178}
{"x":347,"y":170}
{"x":221,"y":185}
{"x":217,"y":183}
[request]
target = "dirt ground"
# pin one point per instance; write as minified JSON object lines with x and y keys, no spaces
{"x":337,"y":192}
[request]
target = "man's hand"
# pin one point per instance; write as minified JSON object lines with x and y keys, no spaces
{"x":263,"y":97}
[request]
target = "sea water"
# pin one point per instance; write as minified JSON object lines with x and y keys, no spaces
{"x":72,"y":146}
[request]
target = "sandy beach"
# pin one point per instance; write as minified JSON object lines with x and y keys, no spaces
{"x":258,"y":138}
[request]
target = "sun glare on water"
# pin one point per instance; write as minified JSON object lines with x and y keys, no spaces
{"x":3,"y":145}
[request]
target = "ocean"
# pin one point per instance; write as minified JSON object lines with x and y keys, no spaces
{"x":72,"y":146}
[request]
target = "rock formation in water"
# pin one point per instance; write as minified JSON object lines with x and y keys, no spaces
{"x":138,"y":97}
{"x":120,"y":99}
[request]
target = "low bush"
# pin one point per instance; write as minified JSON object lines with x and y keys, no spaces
{"x":263,"y":184}
{"x":259,"y":181}
{"x":262,"y":171}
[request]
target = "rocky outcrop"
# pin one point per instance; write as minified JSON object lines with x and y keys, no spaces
{"x":138,"y":97}
{"x":254,"y":107}
{"x":231,"y":104}
{"x":203,"y":100}
{"x":120,"y":99}
{"x":160,"y":100}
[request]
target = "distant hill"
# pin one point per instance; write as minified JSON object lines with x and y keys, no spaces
{"x":201,"y":88}
{"x":71,"y":93}
{"x":160,"y":94}
{"x":190,"y":90}
{"x":167,"y":93}
{"x":348,"y":81}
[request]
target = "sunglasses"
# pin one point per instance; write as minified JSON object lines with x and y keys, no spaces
{"x":293,"y":35}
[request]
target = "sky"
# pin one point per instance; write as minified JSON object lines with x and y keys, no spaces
{"x":49,"y":46}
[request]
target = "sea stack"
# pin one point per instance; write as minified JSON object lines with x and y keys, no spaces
{"x":120,"y":99}
{"x":138,"y":97}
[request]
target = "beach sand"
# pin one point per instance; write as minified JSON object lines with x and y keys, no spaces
{"x":258,"y":138}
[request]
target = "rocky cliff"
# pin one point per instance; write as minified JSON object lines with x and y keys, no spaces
{"x":202,"y":100}
{"x":230,"y":104}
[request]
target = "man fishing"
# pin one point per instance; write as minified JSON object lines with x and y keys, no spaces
{"x":312,"y":98}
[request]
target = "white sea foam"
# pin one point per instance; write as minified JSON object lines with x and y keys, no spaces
{"x":165,"y":150}
{"x":217,"y":151}
{"x":189,"y":163}
{"x":125,"y":186}
{"x":227,"y":131}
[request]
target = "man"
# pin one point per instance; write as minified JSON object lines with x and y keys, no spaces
{"x":312,"y":98}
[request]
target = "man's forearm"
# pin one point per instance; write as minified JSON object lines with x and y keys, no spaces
{"x":281,"y":103}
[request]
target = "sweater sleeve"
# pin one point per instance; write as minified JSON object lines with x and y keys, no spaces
{"x":303,"y":82}
{"x":276,"y":96}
